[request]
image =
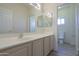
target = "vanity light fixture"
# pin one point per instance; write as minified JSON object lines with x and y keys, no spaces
{"x":59,"y":7}
{"x":36,"y":5}
{"x":49,"y":14}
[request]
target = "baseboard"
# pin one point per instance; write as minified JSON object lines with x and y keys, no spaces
{"x":51,"y":52}
{"x":78,"y":53}
{"x":69,"y":44}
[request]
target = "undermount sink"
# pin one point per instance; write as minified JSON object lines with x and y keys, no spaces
{"x":26,"y":37}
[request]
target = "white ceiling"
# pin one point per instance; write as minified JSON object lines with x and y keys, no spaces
{"x":58,"y":4}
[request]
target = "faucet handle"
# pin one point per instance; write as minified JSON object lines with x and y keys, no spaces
{"x":21,"y":35}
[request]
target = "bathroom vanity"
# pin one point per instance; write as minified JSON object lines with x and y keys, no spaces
{"x":38,"y":44}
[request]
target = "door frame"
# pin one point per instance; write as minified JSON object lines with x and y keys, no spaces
{"x":29,"y":23}
{"x":76,"y":28}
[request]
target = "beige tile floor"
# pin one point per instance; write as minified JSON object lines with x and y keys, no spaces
{"x":64,"y":50}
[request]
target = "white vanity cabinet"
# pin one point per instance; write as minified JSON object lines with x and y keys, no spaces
{"x":38,"y":47}
{"x":21,"y":50}
{"x":43,"y":46}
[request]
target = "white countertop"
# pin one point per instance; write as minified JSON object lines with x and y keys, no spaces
{"x":6,"y":42}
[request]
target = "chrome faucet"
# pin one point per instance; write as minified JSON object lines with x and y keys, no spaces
{"x":21,"y":35}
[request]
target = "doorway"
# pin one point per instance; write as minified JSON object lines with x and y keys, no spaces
{"x":66,"y":30}
{"x":32,"y":24}
{"x":61,"y":31}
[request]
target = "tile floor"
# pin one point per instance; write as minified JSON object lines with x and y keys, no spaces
{"x":64,"y":50}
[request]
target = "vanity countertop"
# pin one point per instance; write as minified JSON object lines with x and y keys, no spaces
{"x":6,"y":42}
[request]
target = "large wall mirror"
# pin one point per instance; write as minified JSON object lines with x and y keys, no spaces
{"x":11,"y":22}
{"x":6,"y":22}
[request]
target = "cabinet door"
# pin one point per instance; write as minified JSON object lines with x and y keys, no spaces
{"x":46,"y":45}
{"x":21,"y":50}
{"x":38,"y":47}
{"x":51,"y":43}
{"x":29,"y":49}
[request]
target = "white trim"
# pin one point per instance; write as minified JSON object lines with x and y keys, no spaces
{"x":76,"y":29}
